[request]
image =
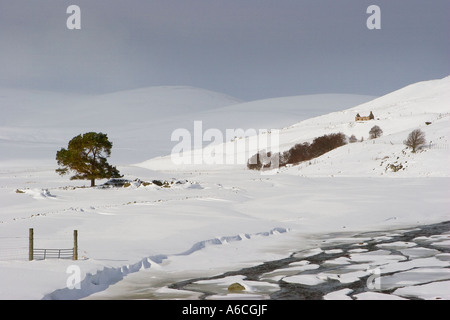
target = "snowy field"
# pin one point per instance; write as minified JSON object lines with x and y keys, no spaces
{"x":212,"y":219}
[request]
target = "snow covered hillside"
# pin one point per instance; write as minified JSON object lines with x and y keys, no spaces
{"x":422,"y":106}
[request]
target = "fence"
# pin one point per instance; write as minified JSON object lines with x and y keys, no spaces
{"x":52,"y":253}
{"x":42,"y":254}
{"x":21,"y":248}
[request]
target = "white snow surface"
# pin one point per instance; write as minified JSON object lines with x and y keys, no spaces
{"x":222,"y":217}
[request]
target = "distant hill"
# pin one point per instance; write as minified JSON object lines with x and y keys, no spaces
{"x":424,"y":105}
{"x":35,"y":124}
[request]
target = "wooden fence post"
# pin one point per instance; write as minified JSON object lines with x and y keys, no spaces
{"x":30,"y":244}
{"x":75,"y":244}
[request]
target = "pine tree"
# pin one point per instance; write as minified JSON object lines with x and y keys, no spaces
{"x":86,"y":156}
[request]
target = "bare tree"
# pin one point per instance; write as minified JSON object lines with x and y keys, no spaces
{"x":416,"y":139}
{"x":375,"y":132}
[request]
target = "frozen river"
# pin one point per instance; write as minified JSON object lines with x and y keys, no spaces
{"x":396,"y":264}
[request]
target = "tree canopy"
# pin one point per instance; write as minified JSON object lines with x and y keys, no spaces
{"x":86,"y":156}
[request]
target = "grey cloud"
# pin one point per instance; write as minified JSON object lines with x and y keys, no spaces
{"x":247,"y":48}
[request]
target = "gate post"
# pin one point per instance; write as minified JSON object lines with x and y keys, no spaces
{"x":30,"y":244}
{"x":75,"y":244}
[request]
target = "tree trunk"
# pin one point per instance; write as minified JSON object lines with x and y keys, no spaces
{"x":92,"y":182}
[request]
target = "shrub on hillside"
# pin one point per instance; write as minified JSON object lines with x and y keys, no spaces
{"x":299,"y":152}
{"x":327,"y":143}
{"x":375,"y":132}
{"x":260,"y":160}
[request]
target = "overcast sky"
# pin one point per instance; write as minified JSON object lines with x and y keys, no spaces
{"x":249,"y":49}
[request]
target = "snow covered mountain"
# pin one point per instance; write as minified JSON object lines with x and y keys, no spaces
{"x":34,"y":124}
{"x":422,"y":106}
